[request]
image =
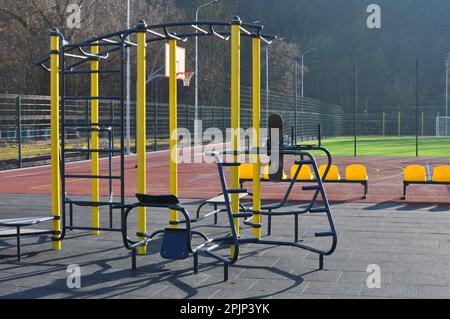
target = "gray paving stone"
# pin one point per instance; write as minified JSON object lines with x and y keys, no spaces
{"x":391,"y":290}
{"x":410,"y":243}
{"x":333,"y":289}
{"x":435,"y":292}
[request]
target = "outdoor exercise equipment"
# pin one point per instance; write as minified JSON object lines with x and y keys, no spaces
{"x":68,"y":59}
{"x":277,"y":155}
{"x":252,"y":217}
{"x":277,"y":151}
{"x":18,"y":223}
{"x":417,"y":175}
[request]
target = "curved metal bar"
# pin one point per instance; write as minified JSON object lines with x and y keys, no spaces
{"x":172,"y":35}
{"x":94,"y":56}
{"x":245,"y":30}
{"x":162,"y":36}
{"x":217,"y":34}
{"x":255,"y":30}
{"x":199,"y":29}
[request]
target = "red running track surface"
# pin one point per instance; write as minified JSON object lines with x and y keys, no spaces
{"x":200,"y":181}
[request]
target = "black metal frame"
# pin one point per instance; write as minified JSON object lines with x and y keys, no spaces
{"x":406,"y":184}
{"x":90,"y":127}
{"x":364,"y":183}
{"x":114,"y":42}
{"x":18,"y":226}
{"x":270,"y":211}
{"x":133,"y":245}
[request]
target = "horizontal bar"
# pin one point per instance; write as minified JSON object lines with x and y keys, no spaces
{"x":75,"y":56}
{"x":92,"y":177}
{"x":94,"y":129}
{"x":91,"y":203}
{"x":84,"y":150}
{"x":94,"y":229}
{"x":93,"y":72}
{"x":231,"y":164}
{"x":90,"y":98}
{"x":237,"y":191}
{"x":106,"y":124}
{"x":311,"y":188}
{"x":325,"y":234}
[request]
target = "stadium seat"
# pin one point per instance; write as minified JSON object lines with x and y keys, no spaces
{"x":304,"y":175}
{"x":333,"y":174}
{"x":415,"y":173}
{"x":356,"y":173}
{"x":441,"y":174}
{"x":246,"y":171}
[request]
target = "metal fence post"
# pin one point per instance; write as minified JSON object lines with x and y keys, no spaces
{"x":113,"y":119}
{"x":319,"y":135}
{"x":224,"y":129}
{"x":187,"y":117}
{"x":19,"y":130}
{"x":155,"y":124}
{"x":135,"y":127}
{"x":423,"y":126}
{"x":88,"y":118}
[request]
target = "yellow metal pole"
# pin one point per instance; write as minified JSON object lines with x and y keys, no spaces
{"x":56,"y":169}
{"x":256,"y":134}
{"x":384,"y":123}
{"x":141,"y":128}
{"x":235,"y":111}
{"x":173,"y":106}
{"x":95,"y":168}
{"x":399,"y":130}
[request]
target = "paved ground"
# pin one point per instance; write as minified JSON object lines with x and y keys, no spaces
{"x":411,"y":244}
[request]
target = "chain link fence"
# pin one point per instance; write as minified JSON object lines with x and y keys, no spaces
{"x":25,"y":138}
{"x":25,"y":126}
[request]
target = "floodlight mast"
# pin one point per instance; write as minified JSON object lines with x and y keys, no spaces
{"x":197,"y":68}
{"x":128,"y":107}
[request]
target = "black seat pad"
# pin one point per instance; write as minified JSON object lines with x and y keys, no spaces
{"x":158,"y":199}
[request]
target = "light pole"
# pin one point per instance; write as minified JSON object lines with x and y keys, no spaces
{"x":447,"y":60}
{"x":302,"y":57}
{"x":128,"y":106}
{"x":267,"y":74}
{"x":303,"y":68}
{"x":196,"y":68}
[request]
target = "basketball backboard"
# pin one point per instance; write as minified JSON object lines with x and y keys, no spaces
{"x":181,"y":62}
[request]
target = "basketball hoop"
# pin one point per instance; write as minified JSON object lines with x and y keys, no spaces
{"x":186,"y":77}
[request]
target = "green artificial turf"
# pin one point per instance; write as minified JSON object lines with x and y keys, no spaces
{"x":387,"y":146}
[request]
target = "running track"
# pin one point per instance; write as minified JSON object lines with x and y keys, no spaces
{"x":200,"y":181}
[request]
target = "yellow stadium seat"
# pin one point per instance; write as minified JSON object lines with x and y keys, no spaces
{"x":246,"y":171}
{"x":415,"y":173}
{"x":333,"y":174}
{"x":356,"y":173}
{"x":441,"y":174}
{"x":304,"y":175}
{"x":266,"y":174}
